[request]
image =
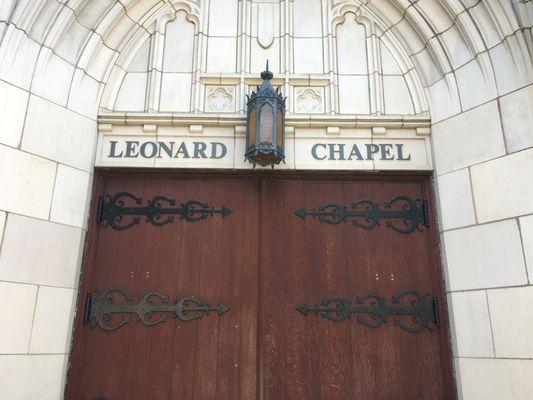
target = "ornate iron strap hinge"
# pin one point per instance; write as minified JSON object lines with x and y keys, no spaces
{"x":113,"y":208}
{"x":422,"y":309}
{"x":101,"y":306}
{"x":367,"y":213}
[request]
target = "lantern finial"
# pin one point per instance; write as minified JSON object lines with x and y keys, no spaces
{"x":267,"y":75}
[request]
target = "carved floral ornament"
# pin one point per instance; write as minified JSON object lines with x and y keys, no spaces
{"x":308,"y":100}
{"x":220,"y":99}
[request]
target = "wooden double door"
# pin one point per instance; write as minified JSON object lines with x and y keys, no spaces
{"x":261,"y":287}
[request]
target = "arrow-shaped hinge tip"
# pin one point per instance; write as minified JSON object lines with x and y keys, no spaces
{"x":225,"y":211}
{"x":303,"y":308}
{"x":222,"y":308}
{"x":301,"y":213}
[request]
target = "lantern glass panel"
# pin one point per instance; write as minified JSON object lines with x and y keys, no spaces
{"x":251,"y":135}
{"x":266,"y":124}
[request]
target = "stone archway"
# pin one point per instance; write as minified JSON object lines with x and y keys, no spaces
{"x":474,"y":64}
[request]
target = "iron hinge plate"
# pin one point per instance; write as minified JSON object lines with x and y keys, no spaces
{"x":87,"y":308}
{"x":100,"y":209}
{"x":151,"y":309}
{"x":436,"y":316}
{"x":425,"y":211}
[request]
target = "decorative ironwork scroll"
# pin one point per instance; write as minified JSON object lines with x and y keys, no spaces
{"x":367,"y":213}
{"x":420,"y":312}
{"x":100,"y":307}
{"x":159,"y":211}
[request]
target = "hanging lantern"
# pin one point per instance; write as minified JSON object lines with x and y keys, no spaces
{"x":265,"y":124}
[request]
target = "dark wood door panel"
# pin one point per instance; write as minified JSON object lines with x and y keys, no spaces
{"x":215,"y":261}
{"x":308,"y":357}
{"x":262,"y":261}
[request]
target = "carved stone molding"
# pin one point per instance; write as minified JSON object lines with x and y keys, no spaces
{"x":265,"y":24}
{"x":309,"y":100}
{"x":220,"y":99}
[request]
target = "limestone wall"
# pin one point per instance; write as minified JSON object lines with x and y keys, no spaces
{"x":464,"y":65}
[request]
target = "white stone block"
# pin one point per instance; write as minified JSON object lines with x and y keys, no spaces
{"x":496,"y":379}
{"x":351,"y":47}
{"x":29,"y":183}
{"x":470,"y":324}
{"x":456,"y":46}
{"x":389,"y":64}
{"x":503,"y":188}
{"x":3,"y":217}
{"x":16,"y":313}
{"x":52,"y":77}
{"x":468,"y":138}
{"x":397,"y":96}
{"x":456,"y":201}
{"x":89,"y":16}
{"x":13,"y":103}
{"x":122,"y":27}
{"x":223,"y":17}
{"x":40,"y":252}
{"x":132,"y":94}
{"x":179,"y":45}
{"x":141,"y":60}
{"x":427,"y":67}
{"x":484,"y":256}
{"x":476,"y":85}
{"x":6,"y":9}
{"x":221,"y":54}
{"x":57,"y":133}
{"x":444,"y":99}
{"x":488,"y":29}
{"x":259,"y":55}
{"x":73,"y":41}
{"x":175,"y":92}
{"x":19,"y":60}
{"x":29,"y":377}
{"x":511,"y":69}
{"x":70,"y":201}
{"x":100,"y":62}
{"x":353,"y":95}
{"x":85,"y":94}
{"x":308,"y":56}
{"x":436,"y":14}
{"x":408,"y":36}
{"x":54,"y":312}
{"x":517,"y":118}
{"x":389,"y":11}
{"x":512,"y":321}
{"x":526,"y":228}
{"x":307,"y":18}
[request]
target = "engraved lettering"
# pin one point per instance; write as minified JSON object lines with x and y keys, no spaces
{"x":132,"y":150}
{"x":400,"y":153}
{"x":340,"y":151}
{"x":112,"y":150}
{"x":371,"y":149}
{"x":152,"y":149}
{"x":314,"y":151}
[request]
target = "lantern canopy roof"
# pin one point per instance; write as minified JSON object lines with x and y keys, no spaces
{"x":266,"y":90}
